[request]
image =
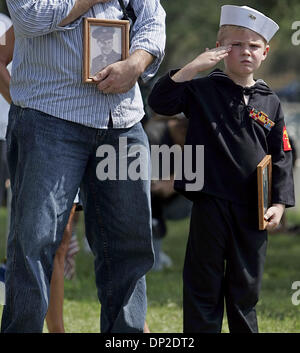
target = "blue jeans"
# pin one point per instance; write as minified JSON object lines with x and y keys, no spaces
{"x":49,"y":158}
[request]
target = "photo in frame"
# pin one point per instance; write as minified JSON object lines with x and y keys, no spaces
{"x":264,"y":187}
{"x":104,"y":42}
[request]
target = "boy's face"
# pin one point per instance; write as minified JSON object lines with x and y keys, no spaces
{"x":247,"y":53}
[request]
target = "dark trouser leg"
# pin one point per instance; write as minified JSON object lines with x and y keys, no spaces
{"x":222,"y":231}
{"x":244,"y":269}
{"x":203,"y":296}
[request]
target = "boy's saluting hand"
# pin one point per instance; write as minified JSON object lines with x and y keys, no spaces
{"x":211,"y":57}
{"x":204,"y":61}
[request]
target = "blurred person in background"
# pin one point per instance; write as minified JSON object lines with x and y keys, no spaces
{"x":6,"y":52}
{"x":166,"y":203}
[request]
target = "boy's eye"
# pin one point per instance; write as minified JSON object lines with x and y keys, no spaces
{"x":236,"y":44}
{"x":254,"y":46}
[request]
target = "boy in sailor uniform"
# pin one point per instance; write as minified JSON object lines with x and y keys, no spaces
{"x":238,"y":120}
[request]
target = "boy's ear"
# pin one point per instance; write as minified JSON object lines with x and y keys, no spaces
{"x":218,"y":44}
{"x":266,"y":51}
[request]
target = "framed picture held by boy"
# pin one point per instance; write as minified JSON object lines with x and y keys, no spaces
{"x":264,"y":187}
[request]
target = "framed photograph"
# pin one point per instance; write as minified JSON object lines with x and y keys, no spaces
{"x":264,"y":187}
{"x":104,"y":42}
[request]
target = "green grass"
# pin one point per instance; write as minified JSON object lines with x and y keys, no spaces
{"x":275,"y":311}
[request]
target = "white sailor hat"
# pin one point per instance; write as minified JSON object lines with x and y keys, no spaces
{"x":245,"y":16}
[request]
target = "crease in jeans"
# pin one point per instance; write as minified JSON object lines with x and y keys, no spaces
{"x":107,"y":259}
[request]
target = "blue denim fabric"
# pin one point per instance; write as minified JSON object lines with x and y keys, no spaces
{"x":49,"y":159}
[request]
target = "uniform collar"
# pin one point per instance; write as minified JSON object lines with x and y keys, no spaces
{"x":260,"y":86}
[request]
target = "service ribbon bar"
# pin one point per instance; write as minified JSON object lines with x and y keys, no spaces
{"x":261,"y":118}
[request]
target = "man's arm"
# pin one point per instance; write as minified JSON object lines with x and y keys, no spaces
{"x":80,"y":7}
{"x":149,"y":33}
{"x":6,"y":54}
{"x":32,"y":18}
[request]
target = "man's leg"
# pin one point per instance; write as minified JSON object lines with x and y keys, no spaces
{"x":118,"y":228}
{"x":45,"y":174}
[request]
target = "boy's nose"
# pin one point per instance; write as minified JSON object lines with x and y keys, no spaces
{"x":246,"y":51}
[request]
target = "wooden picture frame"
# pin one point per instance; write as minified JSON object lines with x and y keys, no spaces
{"x":264,"y":187}
{"x":104,"y":42}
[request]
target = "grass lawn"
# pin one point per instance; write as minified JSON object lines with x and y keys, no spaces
{"x":275,"y":310}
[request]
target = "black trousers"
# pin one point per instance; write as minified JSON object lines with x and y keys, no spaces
{"x":224,"y":262}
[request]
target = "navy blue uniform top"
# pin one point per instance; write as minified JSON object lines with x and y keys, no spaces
{"x":234,"y":143}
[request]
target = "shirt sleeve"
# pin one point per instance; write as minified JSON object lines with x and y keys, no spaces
{"x":167,"y":96}
{"x":33,"y":18}
{"x":282,"y":164}
{"x":5,"y":24}
{"x":148,"y":32}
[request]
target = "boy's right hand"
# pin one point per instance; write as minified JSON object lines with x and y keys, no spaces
{"x":211,"y":57}
{"x":204,"y":61}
